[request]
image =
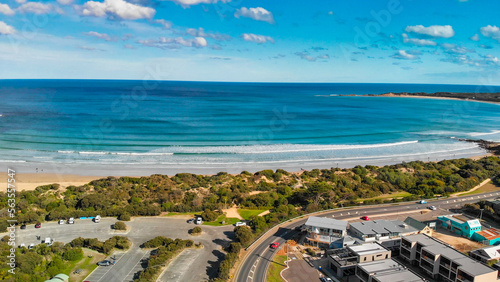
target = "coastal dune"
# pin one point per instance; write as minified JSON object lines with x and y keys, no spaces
{"x":29,"y":181}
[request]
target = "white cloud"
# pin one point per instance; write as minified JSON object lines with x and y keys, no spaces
{"x":200,"y":32}
{"x":36,"y":8}
{"x":120,"y":8}
{"x":257,"y":38}
{"x":444,"y":31}
{"x":173,"y":43}
{"x":6,"y":29}
{"x":453,"y":48}
{"x":186,"y":3}
{"x":475,"y":37}
{"x":98,"y":35}
{"x":164,"y":23}
{"x":65,"y":2}
{"x":20,"y":1}
{"x":258,"y":14}
{"x":6,"y":10}
{"x":419,"y":42}
{"x":404,"y":55}
{"x":491,"y":31}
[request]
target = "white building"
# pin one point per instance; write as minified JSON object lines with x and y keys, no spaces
{"x":323,"y":230}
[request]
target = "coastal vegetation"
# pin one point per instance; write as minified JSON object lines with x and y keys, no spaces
{"x":166,"y":250}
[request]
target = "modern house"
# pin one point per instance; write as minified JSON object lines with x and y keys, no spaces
{"x":460,"y":224}
{"x":387,"y":232}
{"x":323,"y":230}
{"x":486,"y":254}
{"x":343,"y":261}
{"x":420,"y":226}
{"x":387,"y":270}
{"x":440,"y":261}
{"x":490,"y":236}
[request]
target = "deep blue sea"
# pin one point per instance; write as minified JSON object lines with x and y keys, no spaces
{"x":135,"y":127}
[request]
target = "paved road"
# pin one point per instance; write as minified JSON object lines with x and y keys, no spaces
{"x":204,"y":263}
{"x":256,"y":263}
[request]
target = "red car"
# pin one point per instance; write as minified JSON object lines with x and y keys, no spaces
{"x":275,"y":245}
{"x":38,"y":225}
{"x":365,"y":218}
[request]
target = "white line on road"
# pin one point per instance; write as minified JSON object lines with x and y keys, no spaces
{"x":111,"y":267}
{"x":135,"y":266}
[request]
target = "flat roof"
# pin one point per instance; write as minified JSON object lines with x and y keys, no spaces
{"x":367,"y":249}
{"x":380,"y":226}
{"x":460,"y":218}
{"x":389,"y":270}
{"x":490,"y":233}
{"x":436,"y":247}
{"x":324,"y":222}
{"x":490,"y":252}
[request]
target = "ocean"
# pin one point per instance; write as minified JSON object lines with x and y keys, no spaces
{"x":100,"y":127}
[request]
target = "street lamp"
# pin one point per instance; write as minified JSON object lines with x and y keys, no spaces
{"x":481,"y":216}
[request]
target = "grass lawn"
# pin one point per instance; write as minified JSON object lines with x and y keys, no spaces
{"x":87,"y":265}
{"x":488,"y":187}
{"x":227,"y":221}
{"x":275,"y":268}
{"x":387,"y":196}
{"x":246,"y":214}
{"x":182,"y":213}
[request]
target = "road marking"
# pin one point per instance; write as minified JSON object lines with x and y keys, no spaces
{"x":133,"y":268}
{"x":102,"y":276}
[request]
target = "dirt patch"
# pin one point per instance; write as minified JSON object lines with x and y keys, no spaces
{"x":232,"y":212}
{"x":256,"y":192}
{"x":460,"y":243}
{"x":264,"y":213}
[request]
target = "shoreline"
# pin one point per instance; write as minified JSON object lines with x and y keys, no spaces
{"x":397,"y":95}
{"x":29,"y":181}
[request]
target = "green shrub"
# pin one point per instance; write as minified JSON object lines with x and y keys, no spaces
{"x":196,"y":230}
{"x":120,"y":225}
{"x":75,"y":254}
{"x":124,"y":217}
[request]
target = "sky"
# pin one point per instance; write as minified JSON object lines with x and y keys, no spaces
{"x":389,"y":41}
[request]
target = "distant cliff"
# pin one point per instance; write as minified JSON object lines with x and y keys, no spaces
{"x":487,"y":97}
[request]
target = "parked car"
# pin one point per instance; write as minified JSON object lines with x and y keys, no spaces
{"x":422,"y":202}
{"x":105,"y":263}
{"x":325,"y":279}
{"x":71,"y":220}
{"x":275,"y":245}
{"x":23,"y":226}
{"x":432,"y":208}
{"x":97,"y":219}
{"x":48,"y":241}
{"x":199,"y":220}
{"x":38,"y":225}
{"x":22,"y":245}
{"x":31,"y":246}
{"x":191,"y":220}
{"x":365,"y":218}
{"x":240,"y":223}
{"x":61,"y":221}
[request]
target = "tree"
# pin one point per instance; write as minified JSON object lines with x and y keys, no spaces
{"x":244,"y":235}
{"x":196,"y":230}
{"x":120,"y":225}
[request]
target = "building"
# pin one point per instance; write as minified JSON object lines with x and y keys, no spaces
{"x":387,"y":270}
{"x":420,"y":226}
{"x":495,"y":204}
{"x":59,"y":278}
{"x":440,"y":261}
{"x":387,"y":232}
{"x":490,"y":236}
{"x":460,"y":224}
{"x":323,"y":230}
{"x":486,"y":254}
{"x":343,"y":261}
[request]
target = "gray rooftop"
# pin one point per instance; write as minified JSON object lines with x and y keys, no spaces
{"x":435,"y":247}
{"x":367,"y":249}
{"x":382,"y":226}
{"x":324,"y":222}
{"x":389,"y":270}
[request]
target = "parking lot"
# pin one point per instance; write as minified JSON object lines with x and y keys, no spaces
{"x":203,"y":262}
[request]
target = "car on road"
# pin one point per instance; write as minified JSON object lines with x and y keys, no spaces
{"x":105,"y":263}
{"x":325,"y":279}
{"x":432,"y":208}
{"x":240,"y":223}
{"x":97,"y":219}
{"x":71,"y":220}
{"x":38,"y":225}
{"x":61,"y":221}
{"x":422,"y":202}
{"x":191,"y":220}
{"x":365,"y":217}
{"x":275,"y":245}
{"x":49,"y":241}
{"x":199,"y":220}
{"x":23,"y":226}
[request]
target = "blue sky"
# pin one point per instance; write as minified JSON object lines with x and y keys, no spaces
{"x":449,"y":41}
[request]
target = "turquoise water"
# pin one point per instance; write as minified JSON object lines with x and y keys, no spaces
{"x":208,"y":127}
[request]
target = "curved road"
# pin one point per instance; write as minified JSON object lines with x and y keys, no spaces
{"x":255,"y":265}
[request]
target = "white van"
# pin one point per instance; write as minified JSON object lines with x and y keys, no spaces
{"x":97,"y":219}
{"x":198,"y":220}
{"x":48,"y":241}
{"x":71,"y":220}
{"x":240,"y":223}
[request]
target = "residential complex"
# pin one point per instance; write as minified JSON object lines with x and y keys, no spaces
{"x":322,"y":230}
{"x":344,"y":261}
{"x":387,"y":270}
{"x":440,"y":261}
{"x":387,"y":232}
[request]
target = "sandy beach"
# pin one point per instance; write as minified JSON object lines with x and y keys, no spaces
{"x":29,"y":181}
{"x":429,"y":97}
